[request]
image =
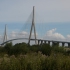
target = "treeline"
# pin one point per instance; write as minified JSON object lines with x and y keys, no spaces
{"x":23,"y":48}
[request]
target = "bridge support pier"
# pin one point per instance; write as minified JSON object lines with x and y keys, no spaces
{"x":69,"y":45}
{"x":63,"y":44}
{"x":55,"y":44}
{"x":41,"y":42}
{"x":49,"y":42}
{"x":45,"y":42}
{"x":52,"y":43}
{"x":38,"y":42}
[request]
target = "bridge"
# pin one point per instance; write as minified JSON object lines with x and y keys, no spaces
{"x":37,"y":41}
{"x":40,"y":41}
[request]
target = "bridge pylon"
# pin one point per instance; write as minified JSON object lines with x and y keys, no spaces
{"x":5,"y":34}
{"x":33,"y":26}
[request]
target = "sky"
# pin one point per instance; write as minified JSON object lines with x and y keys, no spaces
{"x":52,"y":15}
{"x":50,"y":10}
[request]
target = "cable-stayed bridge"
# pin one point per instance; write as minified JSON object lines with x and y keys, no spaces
{"x":32,"y":27}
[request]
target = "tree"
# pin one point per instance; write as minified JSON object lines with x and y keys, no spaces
{"x":46,"y":49}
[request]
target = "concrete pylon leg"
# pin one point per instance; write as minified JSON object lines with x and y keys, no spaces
{"x":52,"y":43}
{"x":45,"y":42}
{"x":38,"y":42}
{"x":49,"y":42}
{"x":58,"y":44}
{"x":5,"y":35}
{"x":69,"y":45}
{"x":63,"y":44}
{"x":55,"y":43}
{"x":41,"y":42}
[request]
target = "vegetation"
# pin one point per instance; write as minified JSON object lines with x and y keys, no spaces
{"x":36,"y":57}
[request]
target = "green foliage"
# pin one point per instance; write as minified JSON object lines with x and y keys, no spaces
{"x":35,"y":48}
{"x":23,"y":48}
{"x":46,"y":49}
{"x":8,"y":47}
{"x":22,"y":56}
{"x":35,"y":61}
{"x":58,"y":49}
{"x":20,"y":48}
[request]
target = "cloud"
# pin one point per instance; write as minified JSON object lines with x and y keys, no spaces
{"x":17,"y":35}
{"x":68,"y":36}
{"x":13,"y":34}
{"x":53,"y":35}
{"x":22,"y":34}
{"x":50,"y":35}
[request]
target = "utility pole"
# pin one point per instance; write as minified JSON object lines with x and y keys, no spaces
{"x":33,"y":26}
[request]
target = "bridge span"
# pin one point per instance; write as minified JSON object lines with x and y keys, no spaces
{"x":40,"y":41}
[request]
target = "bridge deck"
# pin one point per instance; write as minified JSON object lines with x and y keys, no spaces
{"x":34,"y":39}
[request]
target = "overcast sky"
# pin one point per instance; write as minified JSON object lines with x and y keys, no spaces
{"x":49,"y":10}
